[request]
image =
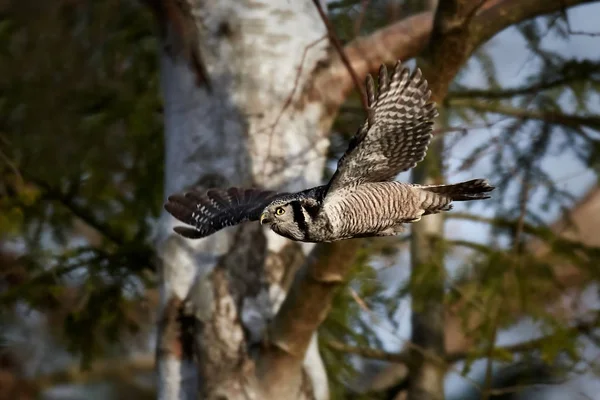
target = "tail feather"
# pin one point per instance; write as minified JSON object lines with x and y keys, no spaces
{"x":440,"y":197}
{"x":476,"y":189}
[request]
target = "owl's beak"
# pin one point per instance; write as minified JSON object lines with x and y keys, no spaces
{"x":264,"y":218}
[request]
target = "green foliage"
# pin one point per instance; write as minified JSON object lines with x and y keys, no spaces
{"x":348,"y":323}
{"x":81,"y":161}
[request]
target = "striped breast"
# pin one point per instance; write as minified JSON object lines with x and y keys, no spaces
{"x":372,"y":207}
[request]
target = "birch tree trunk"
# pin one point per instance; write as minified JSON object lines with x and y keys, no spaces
{"x":233,"y":74}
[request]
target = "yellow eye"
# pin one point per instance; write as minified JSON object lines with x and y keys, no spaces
{"x":279,"y":211}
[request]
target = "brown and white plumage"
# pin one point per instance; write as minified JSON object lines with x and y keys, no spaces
{"x":381,"y":208}
{"x":361,"y":199}
{"x":395,"y":136}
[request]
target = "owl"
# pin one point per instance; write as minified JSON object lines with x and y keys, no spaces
{"x":362,"y":199}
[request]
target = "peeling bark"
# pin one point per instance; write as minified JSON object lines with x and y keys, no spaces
{"x":249,"y":129}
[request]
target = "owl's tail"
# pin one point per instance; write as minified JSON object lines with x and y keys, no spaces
{"x":476,"y":189}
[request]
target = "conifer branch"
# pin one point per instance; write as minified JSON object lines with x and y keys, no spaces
{"x":402,"y":357}
{"x":507,"y":93}
{"x":554,"y":117}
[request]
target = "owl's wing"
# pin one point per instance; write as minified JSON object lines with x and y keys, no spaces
{"x":395,"y":136}
{"x":215,"y":209}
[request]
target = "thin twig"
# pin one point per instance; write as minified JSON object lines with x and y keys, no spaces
{"x":361,"y":17}
{"x":506,"y":93}
{"x":340,"y":49}
{"x":288,"y":102}
{"x":367,"y":352}
{"x":582,"y":328}
{"x":361,"y":303}
{"x":572,"y":32}
{"x":472,"y":12}
{"x":519,"y":113}
{"x":489,"y":364}
{"x":582,"y":33}
{"x":466,"y":129}
{"x":522,"y":214}
{"x":85,"y":215}
{"x":12,"y":166}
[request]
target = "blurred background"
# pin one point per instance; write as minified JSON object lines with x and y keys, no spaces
{"x":81,"y":188}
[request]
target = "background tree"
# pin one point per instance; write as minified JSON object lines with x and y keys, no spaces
{"x":253,"y":94}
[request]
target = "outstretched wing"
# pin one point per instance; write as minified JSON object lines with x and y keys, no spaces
{"x":211,"y":211}
{"x":395,"y":136}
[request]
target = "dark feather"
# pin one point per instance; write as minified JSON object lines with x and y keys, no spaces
{"x":476,"y":189}
{"x":211,"y":211}
{"x":299,"y":216}
{"x":370,"y":85}
{"x":384,"y":81}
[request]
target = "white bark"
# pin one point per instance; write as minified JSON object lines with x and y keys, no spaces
{"x":257,"y":54}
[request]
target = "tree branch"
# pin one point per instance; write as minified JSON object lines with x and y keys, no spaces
{"x":572,"y":121}
{"x":505,"y":13}
{"x":544,"y":233}
{"x":368,"y":352}
{"x":305,"y":307}
{"x":123,"y":372}
{"x":341,"y":53}
{"x":402,"y":357}
{"x":506,"y":93}
{"x":401,"y":40}
{"x":407,"y":38}
{"x":580,"y":328}
{"x":141,"y":253}
{"x":99,"y":370}
{"x":80,"y":212}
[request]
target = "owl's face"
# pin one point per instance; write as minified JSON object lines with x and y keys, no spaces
{"x":282,"y":220}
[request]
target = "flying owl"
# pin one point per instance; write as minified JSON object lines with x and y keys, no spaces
{"x":361,"y":199}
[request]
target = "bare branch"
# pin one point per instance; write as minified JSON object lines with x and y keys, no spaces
{"x":81,"y":212}
{"x":407,"y":38}
{"x":305,"y":307}
{"x":53,"y":194}
{"x":367,"y":352}
{"x":402,"y":357}
{"x":573,"y":121}
{"x":359,"y":20}
{"x":581,"y":33}
{"x":287,"y":103}
{"x":401,"y":40}
{"x":122,"y":370}
{"x":580,"y":328}
{"x":509,"y":12}
{"x":340,"y":50}
{"x":506,"y":93}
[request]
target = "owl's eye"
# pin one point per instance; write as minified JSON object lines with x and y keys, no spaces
{"x":279,"y":211}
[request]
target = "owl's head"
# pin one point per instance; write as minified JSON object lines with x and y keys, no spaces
{"x":286,"y":218}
